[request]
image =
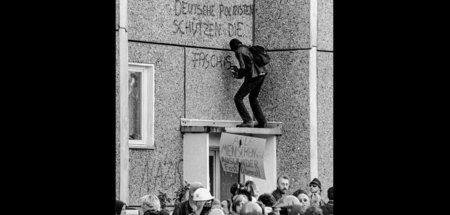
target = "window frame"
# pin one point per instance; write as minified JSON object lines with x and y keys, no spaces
{"x":147,"y":105}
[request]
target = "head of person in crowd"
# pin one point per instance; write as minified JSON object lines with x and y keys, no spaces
{"x":283,"y":183}
{"x":315,"y":186}
{"x":192,"y":188}
{"x":289,"y":205}
{"x":251,"y":188}
{"x":314,"y":210}
{"x":150,"y":202}
{"x":245,"y":192}
{"x":267,"y":199}
{"x":202,"y":199}
{"x":302,"y":196}
{"x":119,"y":206}
{"x":251,"y":208}
{"x":235,"y":188}
{"x":330,"y":194}
{"x":238,"y":201}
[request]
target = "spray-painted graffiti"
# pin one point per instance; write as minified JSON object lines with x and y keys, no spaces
{"x":192,"y":19}
{"x":165,"y":176}
{"x":204,"y":60}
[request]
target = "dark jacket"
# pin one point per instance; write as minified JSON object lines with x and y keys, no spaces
{"x":182,"y":208}
{"x":277,"y":194}
{"x":327,"y":209}
{"x":248,"y":69}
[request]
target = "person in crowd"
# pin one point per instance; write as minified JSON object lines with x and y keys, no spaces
{"x":302,"y":196}
{"x":202,"y":201}
{"x":251,"y":208}
{"x":254,"y":79}
{"x":187,"y":207}
{"x":238,"y":201}
{"x":268,"y":200}
{"x":282,"y":187}
{"x":226,"y":204}
{"x":328,"y":207}
{"x":245,"y":192}
{"x":288,"y":205}
{"x":251,"y":188}
{"x":119,"y":206}
{"x":316,"y":188}
{"x":150,"y":205}
{"x":313,"y":210}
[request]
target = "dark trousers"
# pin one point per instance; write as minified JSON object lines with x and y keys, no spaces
{"x":252,"y":86}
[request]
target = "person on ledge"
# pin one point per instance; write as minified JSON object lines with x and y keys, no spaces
{"x":254,"y":79}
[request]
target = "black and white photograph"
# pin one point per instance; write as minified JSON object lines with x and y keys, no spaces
{"x":224,"y":107}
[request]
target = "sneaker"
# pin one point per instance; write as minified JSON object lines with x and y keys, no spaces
{"x":245,"y":124}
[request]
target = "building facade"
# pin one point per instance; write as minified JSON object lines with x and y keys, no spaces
{"x":172,"y":58}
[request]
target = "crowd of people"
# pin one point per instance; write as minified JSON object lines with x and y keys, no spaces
{"x":244,"y":200}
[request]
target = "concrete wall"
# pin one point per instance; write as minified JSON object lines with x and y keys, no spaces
{"x":325,"y":119}
{"x":285,"y":98}
{"x":325,"y":25}
{"x":210,"y":88}
{"x":325,"y":93}
{"x":282,"y":24}
{"x":206,"y":23}
{"x":160,"y":169}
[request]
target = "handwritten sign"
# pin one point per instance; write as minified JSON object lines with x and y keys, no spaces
{"x":249,"y":151}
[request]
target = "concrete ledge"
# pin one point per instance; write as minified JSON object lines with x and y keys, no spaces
{"x":206,"y":126}
{"x":266,"y":131}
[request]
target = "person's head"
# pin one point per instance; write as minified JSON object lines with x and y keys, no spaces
{"x":244,"y":191}
{"x":150,"y":202}
{"x":283,"y":183}
{"x":251,"y":187}
{"x":287,"y":201}
{"x":200,"y":197}
{"x":238,"y":201}
{"x":251,"y":208}
{"x":289,"y":205}
{"x":235,"y":187}
{"x":234,"y":44}
{"x":119,"y":206}
{"x":315,"y":186}
{"x":330,"y":193}
{"x":216,"y":211}
{"x":302,"y":196}
{"x":314,"y":210}
{"x":192,"y":188}
{"x":267,"y":199}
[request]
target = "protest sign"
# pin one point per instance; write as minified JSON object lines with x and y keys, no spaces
{"x":249,"y":151}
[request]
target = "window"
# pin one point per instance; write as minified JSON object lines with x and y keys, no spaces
{"x":141,"y":105}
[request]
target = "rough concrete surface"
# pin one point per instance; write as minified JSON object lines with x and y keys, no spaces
{"x":210,"y":87}
{"x":285,"y":98}
{"x":325,"y":119}
{"x":282,"y":24}
{"x":206,"y":23}
{"x":325,"y":25}
{"x":160,"y":169}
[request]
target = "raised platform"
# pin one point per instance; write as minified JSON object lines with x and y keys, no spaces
{"x":205,"y":126}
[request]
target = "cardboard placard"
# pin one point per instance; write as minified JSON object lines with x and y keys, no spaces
{"x":249,"y":151}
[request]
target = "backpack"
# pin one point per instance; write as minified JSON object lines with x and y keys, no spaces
{"x":260,"y":56}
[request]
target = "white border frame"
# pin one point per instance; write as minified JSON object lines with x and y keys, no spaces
{"x":148,"y":104}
